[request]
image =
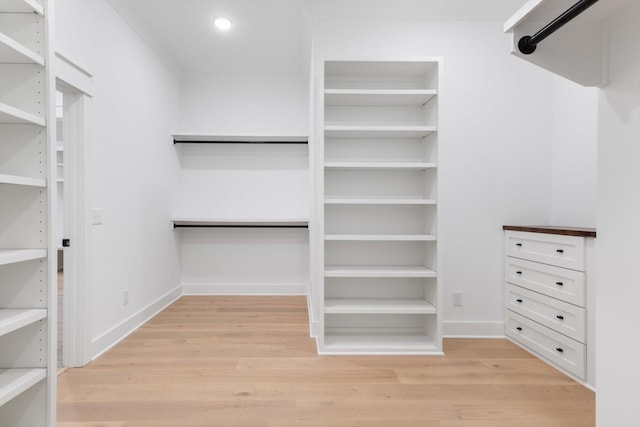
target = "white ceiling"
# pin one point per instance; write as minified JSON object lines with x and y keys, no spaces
{"x":272,"y":37}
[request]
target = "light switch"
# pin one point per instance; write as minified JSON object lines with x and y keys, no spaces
{"x":96,"y":216}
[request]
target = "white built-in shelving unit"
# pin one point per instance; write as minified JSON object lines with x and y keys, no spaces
{"x":242,"y":213}
{"x":27,"y":296}
{"x":377,"y":208}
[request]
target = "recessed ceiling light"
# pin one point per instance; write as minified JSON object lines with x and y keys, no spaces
{"x":222,"y":23}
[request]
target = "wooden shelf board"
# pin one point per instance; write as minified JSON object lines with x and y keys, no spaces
{"x":379,"y":165}
{"x":377,"y":306}
{"x":377,"y":271}
{"x":378,"y":97}
{"x":12,"y":115}
{"x":379,"y":344}
{"x":378,"y":201}
{"x":382,"y":237}
{"x":237,"y":138}
{"x":377,"y":131}
{"x":11,"y":256}
{"x":14,"y":319}
{"x":12,"y":52}
{"x":15,"y":381}
{"x":21,"y":6}
{"x":21,"y":180}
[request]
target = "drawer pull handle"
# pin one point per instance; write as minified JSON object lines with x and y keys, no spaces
{"x":519,"y":245}
{"x":519,"y":300}
{"x":559,"y":283}
{"x":559,"y":316}
{"x":560,"y":251}
{"x":519,"y":328}
{"x":518,"y":272}
{"x":559,"y":349}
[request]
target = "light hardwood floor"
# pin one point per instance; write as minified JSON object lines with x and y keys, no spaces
{"x":249,"y":362}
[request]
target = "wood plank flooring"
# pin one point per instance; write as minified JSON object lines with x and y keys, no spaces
{"x":249,"y":362}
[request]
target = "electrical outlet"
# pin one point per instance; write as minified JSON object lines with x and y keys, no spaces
{"x":125,"y":297}
{"x":457,"y":299}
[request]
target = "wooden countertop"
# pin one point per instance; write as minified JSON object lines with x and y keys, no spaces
{"x":553,"y":229}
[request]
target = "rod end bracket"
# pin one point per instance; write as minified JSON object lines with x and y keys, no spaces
{"x":525,"y":46}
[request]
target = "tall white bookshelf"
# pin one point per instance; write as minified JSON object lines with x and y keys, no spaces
{"x":378,"y":208}
{"x":27,"y":188}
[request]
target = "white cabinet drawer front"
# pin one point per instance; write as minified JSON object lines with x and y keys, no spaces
{"x":561,"y":283}
{"x":556,"y":348}
{"x":563,"y":251}
{"x":557,"y":315}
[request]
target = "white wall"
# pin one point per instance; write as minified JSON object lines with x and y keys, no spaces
{"x":235,"y":181}
{"x":618,"y":241}
{"x":574,"y":131}
{"x":495,"y":138}
{"x":245,"y":104}
{"x":133,"y":168}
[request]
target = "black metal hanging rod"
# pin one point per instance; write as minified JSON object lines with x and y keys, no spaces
{"x":236,"y":226}
{"x":178,"y":141}
{"x":527,"y":44}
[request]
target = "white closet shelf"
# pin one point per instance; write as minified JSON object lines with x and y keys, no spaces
{"x":11,"y":256}
{"x":382,"y":237}
{"x":378,"y":97}
{"x":379,"y":344}
{"x":14,"y":319}
{"x":204,"y":222}
{"x":377,"y":306}
{"x":378,"y":201}
{"x":12,"y":115}
{"x":12,"y":52}
{"x":21,"y":6}
{"x":379,"y":165}
{"x":377,"y":131}
{"x":237,"y":138}
{"x":377,"y":271}
{"x":22,"y":180}
{"x":15,"y":381}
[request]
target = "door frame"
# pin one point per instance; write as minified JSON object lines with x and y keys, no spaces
{"x":75,"y":83}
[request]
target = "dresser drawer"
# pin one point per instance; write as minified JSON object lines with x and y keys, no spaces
{"x":556,"y":348}
{"x":558,"y":250}
{"x":560,"y":316}
{"x":561,"y":283}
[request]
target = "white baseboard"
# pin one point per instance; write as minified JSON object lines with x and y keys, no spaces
{"x":113,"y":336}
{"x":473,"y":329}
{"x":245,"y":289}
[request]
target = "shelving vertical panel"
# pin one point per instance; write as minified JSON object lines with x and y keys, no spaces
{"x":27,"y":285}
{"x":378,"y":207}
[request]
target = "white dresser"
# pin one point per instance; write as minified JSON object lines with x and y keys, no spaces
{"x":549,"y":301}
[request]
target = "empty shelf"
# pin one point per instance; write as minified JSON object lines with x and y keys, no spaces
{"x":378,"y":201}
{"x":377,"y":271}
{"x":22,"y":180}
{"x":14,"y":319}
{"x":12,"y":52}
{"x":12,"y":115}
{"x":15,"y":381}
{"x":381,"y":237}
{"x":21,"y":6}
{"x":376,"y":131}
{"x":379,"y":344}
{"x":10,"y":256}
{"x":379,"y":165}
{"x":378,"y":97}
{"x":377,"y":306}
